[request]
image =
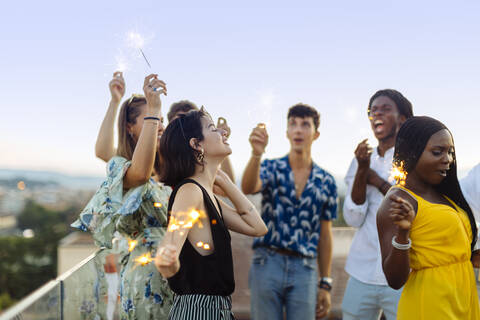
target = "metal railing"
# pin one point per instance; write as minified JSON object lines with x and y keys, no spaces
{"x":80,"y":293}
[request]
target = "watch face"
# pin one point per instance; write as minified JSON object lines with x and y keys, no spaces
{"x":327,"y":280}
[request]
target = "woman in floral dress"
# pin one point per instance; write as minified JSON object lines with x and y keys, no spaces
{"x":133,"y":203}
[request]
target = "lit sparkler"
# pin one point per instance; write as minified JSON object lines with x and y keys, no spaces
{"x":399,"y":174}
{"x":186,"y":220}
{"x":144,"y":259}
{"x":157,"y":204}
{"x":131,"y":245}
{"x":262,"y":110}
{"x":121,"y":63}
{"x":137,"y":41}
{"x":205,"y":246}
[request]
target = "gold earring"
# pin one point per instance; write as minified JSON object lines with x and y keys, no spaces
{"x":201,"y":156}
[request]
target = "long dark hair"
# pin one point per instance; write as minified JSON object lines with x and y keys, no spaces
{"x":411,"y":140}
{"x":177,"y":156}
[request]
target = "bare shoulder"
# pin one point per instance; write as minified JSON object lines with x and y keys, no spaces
{"x":188,"y":196}
{"x":401,"y":193}
{"x":383,"y":211}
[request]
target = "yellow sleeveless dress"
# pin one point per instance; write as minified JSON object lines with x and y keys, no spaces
{"x":441,"y":284}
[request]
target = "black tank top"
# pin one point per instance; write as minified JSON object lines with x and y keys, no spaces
{"x":212,"y":274}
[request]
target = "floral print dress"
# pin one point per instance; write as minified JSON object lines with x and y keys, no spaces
{"x":140,"y":215}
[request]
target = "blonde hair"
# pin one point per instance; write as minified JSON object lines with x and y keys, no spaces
{"x":128,"y":115}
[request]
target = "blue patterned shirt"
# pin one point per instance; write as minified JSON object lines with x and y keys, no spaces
{"x":293,"y":223}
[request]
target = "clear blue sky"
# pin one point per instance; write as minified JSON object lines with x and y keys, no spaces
{"x":247,"y":62}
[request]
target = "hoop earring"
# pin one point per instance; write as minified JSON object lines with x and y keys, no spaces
{"x":201,"y":156}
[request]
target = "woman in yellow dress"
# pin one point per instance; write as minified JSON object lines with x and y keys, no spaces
{"x":426,"y":228}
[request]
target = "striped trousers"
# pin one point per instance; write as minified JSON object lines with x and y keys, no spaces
{"x":201,"y":307}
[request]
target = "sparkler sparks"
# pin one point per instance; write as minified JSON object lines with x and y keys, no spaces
{"x":157,"y":205}
{"x":399,"y":174}
{"x":121,"y":63}
{"x":144,"y":259}
{"x":205,"y":246}
{"x":131,"y":245}
{"x":137,"y":41}
{"x":185,"y":220}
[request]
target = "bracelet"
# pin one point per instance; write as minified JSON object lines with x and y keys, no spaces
{"x":151,"y":118}
{"x":401,"y":246}
{"x":256,"y":156}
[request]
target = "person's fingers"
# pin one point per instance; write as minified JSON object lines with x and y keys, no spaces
{"x":396,"y":215}
{"x":259,"y":131}
{"x":257,"y":140}
{"x":396,"y":199}
{"x":146,"y":82}
{"x":257,"y":135}
{"x":159,"y":91}
{"x":158,"y":84}
{"x":321,"y":313}
{"x":116,"y":83}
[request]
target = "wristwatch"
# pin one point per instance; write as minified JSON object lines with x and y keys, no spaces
{"x":325,"y":283}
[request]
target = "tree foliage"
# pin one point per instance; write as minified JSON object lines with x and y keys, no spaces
{"x":26,"y":264}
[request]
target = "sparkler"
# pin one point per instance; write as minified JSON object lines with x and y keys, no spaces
{"x":205,"y":246}
{"x":186,"y":220}
{"x":137,"y":41}
{"x":399,"y":174}
{"x":122,"y":64}
{"x":131,"y":245}
{"x":144,"y":259}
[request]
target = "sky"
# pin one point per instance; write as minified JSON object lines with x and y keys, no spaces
{"x":247,"y":61}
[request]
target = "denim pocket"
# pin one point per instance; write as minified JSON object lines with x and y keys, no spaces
{"x":310,"y":263}
{"x":259,"y":257}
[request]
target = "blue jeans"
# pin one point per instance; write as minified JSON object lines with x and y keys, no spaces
{"x":279,"y":282}
{"x":363,"y":301}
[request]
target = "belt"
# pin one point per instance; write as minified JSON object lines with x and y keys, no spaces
{"x":287,"y":252}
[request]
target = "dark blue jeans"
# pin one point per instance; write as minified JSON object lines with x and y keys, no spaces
{"x":278,"y":281}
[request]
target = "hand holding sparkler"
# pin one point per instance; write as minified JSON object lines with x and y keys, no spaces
{"x":117,"y":87}
{"x":166,"y":260}
{"x":362,"y":153}
{"x":401,"y":212}
{"x":153,"y":88}
{"x":180,"y":223}
{"x":259,"y":139}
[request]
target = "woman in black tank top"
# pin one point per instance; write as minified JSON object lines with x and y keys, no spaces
{"x":197,"y":261}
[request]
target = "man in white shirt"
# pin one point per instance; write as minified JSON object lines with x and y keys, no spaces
{"x":367,"y":292}
{"x":470,"y":186}
{"x":471,"y":190}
